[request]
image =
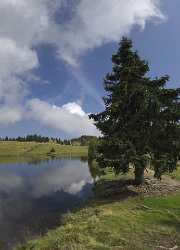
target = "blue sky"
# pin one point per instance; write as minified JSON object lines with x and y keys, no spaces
{"x":54,"y":55}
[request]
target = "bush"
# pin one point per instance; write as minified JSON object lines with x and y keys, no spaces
{"x":52,"y":150}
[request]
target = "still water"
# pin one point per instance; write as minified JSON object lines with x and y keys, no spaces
{"x":33,"y":195}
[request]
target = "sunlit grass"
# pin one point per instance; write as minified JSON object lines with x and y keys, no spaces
{"x":132,"y":224}
{"x":21,"y":150}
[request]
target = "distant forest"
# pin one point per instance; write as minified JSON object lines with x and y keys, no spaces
{"x":80,"y":141}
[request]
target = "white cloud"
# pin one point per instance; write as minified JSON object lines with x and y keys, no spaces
{"x":96,"y":23}
{"x":73,"y":108}
{"x":10,"y":114}
{"x":69,"y":118}
{"x":99,"y":22}
{"x":24,"y":24}
{"x":15,"y":59}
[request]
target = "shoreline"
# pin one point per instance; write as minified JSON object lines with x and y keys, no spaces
{"x":119,"y":217}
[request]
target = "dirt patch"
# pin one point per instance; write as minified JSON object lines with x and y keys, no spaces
{"x":156,"y":187}
{"x":123,"y":189}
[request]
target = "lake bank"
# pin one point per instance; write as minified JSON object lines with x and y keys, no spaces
{"x":11,"y":151}
{"x":119,"y":219}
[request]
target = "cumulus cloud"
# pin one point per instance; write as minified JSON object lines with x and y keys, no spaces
{"x":10,"y":114}
{"x":69,"y":118}
{"x":22,"y":24}
{"x":25,"y":24}
{"x":95,"y":23}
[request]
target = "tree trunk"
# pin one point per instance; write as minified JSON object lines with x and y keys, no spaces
{"x":139,"y":176}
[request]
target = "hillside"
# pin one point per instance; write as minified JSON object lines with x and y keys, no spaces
{"x":12,"y":149}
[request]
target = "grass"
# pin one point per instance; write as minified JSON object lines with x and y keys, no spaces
{"x":176,"y":174}
{"x":11,"y":150}
{"x":108,"y":222}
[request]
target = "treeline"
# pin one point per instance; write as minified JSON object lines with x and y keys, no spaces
{"x":81,"y":141}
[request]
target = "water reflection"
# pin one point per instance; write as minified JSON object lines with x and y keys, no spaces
{"x":34,"y":194}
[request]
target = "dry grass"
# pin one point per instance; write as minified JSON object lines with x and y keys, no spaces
{"x":10,"y":150}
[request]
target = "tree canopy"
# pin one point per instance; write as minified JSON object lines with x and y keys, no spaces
{"x":141,"y":121}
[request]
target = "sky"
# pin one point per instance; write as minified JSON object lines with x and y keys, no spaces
{"x":54,"y":55}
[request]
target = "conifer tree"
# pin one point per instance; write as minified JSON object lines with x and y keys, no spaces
{"x":141,"y":121}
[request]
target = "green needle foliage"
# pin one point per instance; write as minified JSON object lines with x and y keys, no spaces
{"x":141,"y":121}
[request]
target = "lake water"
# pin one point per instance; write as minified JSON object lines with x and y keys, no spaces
{"x":33,"y":195}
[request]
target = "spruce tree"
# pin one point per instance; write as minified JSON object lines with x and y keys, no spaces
{"x":141,"y":121}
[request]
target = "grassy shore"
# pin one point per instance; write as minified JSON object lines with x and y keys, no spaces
{"x":119,"y":217}
{"x":11,"y":150}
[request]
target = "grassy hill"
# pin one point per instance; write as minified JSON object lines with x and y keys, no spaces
{"x":12,"y":149}
{"x":120,"y":217}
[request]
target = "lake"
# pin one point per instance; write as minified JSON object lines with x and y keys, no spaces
{"x":34,"y":195}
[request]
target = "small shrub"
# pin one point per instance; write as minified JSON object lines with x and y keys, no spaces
{"x":52,"y":150}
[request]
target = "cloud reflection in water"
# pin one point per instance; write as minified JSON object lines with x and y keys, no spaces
{"x":33,"y":196}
